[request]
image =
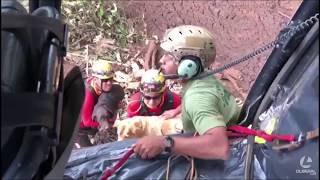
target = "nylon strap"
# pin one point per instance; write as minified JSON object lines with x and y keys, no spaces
{"x":244,"y":131}
{"x":27,"y":109}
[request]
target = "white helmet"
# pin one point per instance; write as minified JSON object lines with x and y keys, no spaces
{"x":190,"y":40}
{"x":153,"y":81}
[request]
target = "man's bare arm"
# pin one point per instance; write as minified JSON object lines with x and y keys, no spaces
{"x":212,"y":145}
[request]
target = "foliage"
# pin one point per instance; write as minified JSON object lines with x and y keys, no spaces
{"x":93,"y":22}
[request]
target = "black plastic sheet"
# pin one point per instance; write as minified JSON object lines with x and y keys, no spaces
{"x":89,"y":163}
{"x":296,"y":109}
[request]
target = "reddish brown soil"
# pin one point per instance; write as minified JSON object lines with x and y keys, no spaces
{"x":239,"y":26}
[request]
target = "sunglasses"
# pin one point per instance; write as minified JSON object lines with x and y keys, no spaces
{"x":152,"y":97}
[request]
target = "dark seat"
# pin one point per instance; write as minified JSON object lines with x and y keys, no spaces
{"x":14,"y":71}
{"x":14,"y":78}
{"x":31,"y":66}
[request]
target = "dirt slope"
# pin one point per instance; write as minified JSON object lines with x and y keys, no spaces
{"x":238,"y":26}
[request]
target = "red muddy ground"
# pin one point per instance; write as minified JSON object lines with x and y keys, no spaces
{"x":238,"y":26}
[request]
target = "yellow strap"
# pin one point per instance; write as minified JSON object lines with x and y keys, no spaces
{"x":269,"y":129}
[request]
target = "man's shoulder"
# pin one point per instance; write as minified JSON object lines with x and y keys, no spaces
{"x":200,"y":85}
{"x":204,"y":91}
{"x":210,"y":84}
{"x":206,"y":81}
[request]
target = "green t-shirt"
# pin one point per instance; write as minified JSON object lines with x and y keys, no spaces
{"x":207,"y":104}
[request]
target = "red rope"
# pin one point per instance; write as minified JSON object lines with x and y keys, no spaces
{"x":238,"y":131}
{"x":241,"y":131}
{"x":110,"y":172}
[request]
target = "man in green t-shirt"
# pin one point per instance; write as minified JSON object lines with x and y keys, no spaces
{"x":207,"y":107}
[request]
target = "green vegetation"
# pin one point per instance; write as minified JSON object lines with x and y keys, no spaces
{"x":94,"y":22}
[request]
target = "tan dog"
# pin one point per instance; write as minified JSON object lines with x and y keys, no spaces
{"x":139,"y":126}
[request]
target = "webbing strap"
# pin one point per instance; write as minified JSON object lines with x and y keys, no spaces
{"x":27,"y":109}
{"x":244,"y":131}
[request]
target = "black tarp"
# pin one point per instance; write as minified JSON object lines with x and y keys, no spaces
{"x":296,"y":108}
{"x":90,"y":162}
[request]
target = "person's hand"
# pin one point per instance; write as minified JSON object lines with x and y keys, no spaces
{"x":169,"y":114}
{"x":149,"y":146}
